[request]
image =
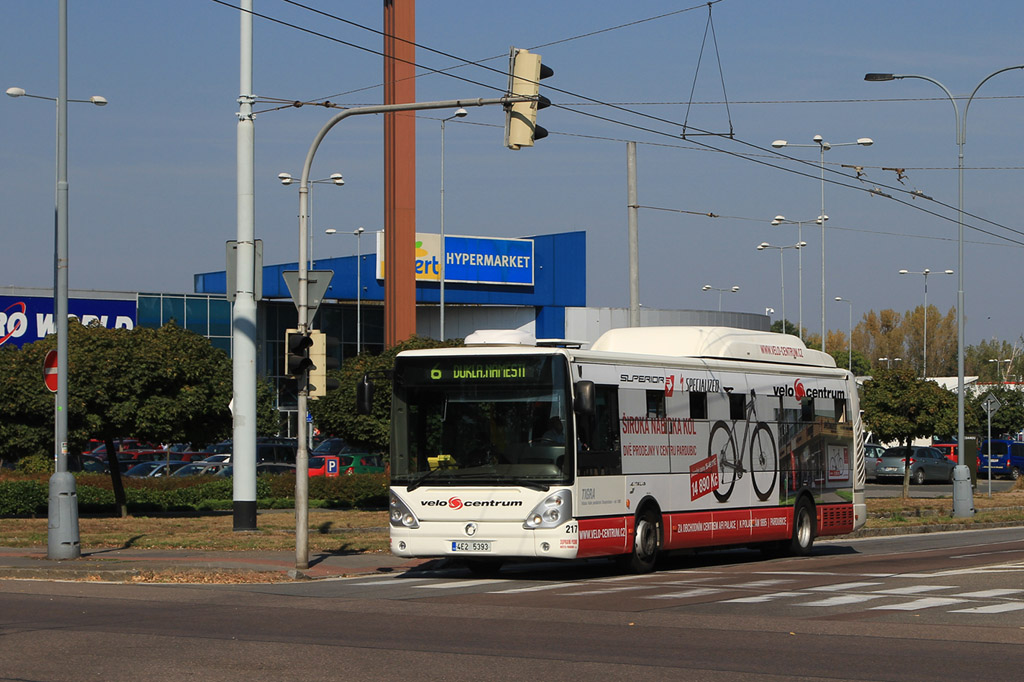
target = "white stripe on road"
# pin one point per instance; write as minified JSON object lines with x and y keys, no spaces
{"x":993,"y":608}
{"x":916,"y":589}
{"x":459,"y":583}
{"x":761,"y":598}
{"x":531,"y":588}
{"x":917,"y":604}
{"x":842,"y":600}
{"x":686,"y":594}
{"x":842,"y":586}
{"x":984,"y":594}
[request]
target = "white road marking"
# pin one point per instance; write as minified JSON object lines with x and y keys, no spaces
{"x":457,"y":584}
{"x":993,"y":608}
{"x":610,"y":590}
{"x":761,"y":598}
{"x":840,"y":587}
{"x":917,"y":604}
{"x":843,"y":600}
{"x":531,"y":588}
{"x":686,"y":594}
{"x":916,"y":589}
{"x":984,"y":594}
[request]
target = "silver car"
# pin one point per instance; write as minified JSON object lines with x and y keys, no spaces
{"x":926,"y":464}
{"x":872,"y":453}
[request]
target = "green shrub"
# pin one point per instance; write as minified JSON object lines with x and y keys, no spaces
{"x":28,"y":494}
{"x":35,"y":464}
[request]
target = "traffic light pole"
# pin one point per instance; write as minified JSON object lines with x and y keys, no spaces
{"x":302,"y":449}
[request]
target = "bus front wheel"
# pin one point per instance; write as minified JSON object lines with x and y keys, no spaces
{"x":646,"y":543}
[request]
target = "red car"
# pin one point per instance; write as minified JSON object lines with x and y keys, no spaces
{"x":947,"y":449}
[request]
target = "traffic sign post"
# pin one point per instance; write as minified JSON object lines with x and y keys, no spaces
{"x":50,"y":371}
{"x":333,"y":466}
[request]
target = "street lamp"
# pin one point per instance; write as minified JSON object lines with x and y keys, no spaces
{"x":459,"y":113}
{"x":708,"y":287}
{"x":781,"y":220}
{"x":961,"y":482}
{"x":888,"y":361}
{"x":764,"y":246}
{"x":925,"y":272}
{"x":333,"y":178}
{"x":64,"y":540}
{"x":849,"y":366}
{"x":999,"y":368}
{"x":358,"y":232}
{"x":824,"y":147}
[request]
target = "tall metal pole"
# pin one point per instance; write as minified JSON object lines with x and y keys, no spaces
{"x":302,"y":453}
{"x":359,"y":291}
{"x":962,"y":496}
{"x":63,"y":540}
{"x":924,"y":360}
{"x":444,"y":253}
{"x":634,"y":236}
{"x":822,"y":218}
{"x":243,"y":331}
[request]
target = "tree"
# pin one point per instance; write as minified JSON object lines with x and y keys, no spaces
{"x":336,"y":413}
{"x":790,"y":328}
{"x":879,"y":335}
{"x":861,"y":365}
{"x":900,"y":407}
{"x":161,"y":385}
{"x":1008,"y":420}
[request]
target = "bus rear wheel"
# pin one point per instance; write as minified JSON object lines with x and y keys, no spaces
{"x":646,"y":543}
{"x":803,"y":528}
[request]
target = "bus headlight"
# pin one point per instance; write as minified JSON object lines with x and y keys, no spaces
{"x":401,"y":516}
{"x":552,"y":512}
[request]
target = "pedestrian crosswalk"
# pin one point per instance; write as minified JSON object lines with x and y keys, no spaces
{"x":871,"y":592}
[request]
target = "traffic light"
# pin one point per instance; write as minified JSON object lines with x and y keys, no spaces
{"x":524,"y":74}
{"x":323,"y":353}
{"x":297,"y":360}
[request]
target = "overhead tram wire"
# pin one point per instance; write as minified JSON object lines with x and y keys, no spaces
{"x":624,"y":123}
{"x":710,"y":214}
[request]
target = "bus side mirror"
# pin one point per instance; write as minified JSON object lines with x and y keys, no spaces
{"x":584,"y":403}
{"x":364,"y":396}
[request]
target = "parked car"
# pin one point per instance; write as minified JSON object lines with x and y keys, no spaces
{"x":947,"y":449}
{"x":201,"y":468}
{"x":90,"y":464}
{"x":154,"y":469}
{"x":334,"y":446}
{"x":1006,"y":458}
{"x":926,"y":464}
{"x":262,"y":468}
{"x":217,"y":459}
{"x":872,"y":453}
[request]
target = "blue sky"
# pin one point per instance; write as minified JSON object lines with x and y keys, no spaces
{"x":152,"y":175}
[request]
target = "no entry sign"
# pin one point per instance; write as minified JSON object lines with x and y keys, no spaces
{"x":50,"y":371}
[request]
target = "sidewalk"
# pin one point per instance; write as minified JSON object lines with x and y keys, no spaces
{"x":126,"y":565}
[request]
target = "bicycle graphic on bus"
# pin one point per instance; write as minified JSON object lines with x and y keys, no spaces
{"x":764,"y":456}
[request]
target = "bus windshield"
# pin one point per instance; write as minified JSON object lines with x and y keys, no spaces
{"x":481,"y":420}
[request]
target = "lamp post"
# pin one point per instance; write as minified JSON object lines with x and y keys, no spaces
{"x":840,"y":299}
{"x":961,"y":482}
{"x":999,"y":368}
{"x":765,"y":246}
{"x":925,"y":273}
{"x":824,"y":147}
{"x":459,"y":113}
{"x":781,"y":220}
{"x":63,"y":540}
{"x":888,"y":361}
{"x":708,"y":287}
{"x":358,"y":232}
{"x":333,"y":178}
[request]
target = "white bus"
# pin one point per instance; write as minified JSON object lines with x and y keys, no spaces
{"x":654,"y":439}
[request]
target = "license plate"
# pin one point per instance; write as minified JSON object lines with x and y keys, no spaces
{"x":470,"y":546}
{"x":887,"y":468}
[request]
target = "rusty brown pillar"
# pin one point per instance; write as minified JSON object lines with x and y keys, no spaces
{"x":399,"y":172}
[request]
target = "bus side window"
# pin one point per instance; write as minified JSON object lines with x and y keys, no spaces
{"x":655,"y":404}
{"x":603,"y":456}
{"x":840,"y":409}
{"x":698,"y":405}
{"x":737,"y":406}
{"x":807,"y":410}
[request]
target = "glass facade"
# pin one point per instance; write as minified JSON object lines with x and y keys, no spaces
{"x":203,"y":314}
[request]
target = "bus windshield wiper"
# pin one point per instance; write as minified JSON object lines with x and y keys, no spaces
{"x":419,"y":481}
